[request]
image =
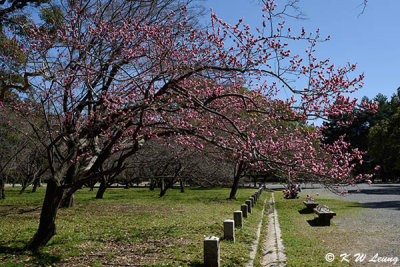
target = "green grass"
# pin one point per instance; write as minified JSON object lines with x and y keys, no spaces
{"x":131,"y":226}
{"x":307,"y":245}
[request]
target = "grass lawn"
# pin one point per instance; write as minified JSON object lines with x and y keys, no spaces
{"x":307,"y":245}
{"x":128,"y":226}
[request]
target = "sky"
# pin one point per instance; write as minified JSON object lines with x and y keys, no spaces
{"x":371,"y":39}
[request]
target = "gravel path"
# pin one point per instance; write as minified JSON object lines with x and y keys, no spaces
{"x":377,"y":226}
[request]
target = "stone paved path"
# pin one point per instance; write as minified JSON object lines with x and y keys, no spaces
{"x":273,"y":250}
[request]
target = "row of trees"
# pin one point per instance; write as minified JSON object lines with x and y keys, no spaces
{"x":159,"y":163}
{"x":109,"y":82}
{"x":375,"y":133}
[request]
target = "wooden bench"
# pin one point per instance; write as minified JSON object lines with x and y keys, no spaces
{"x":310,"y":204}
{"x":324,"y":215}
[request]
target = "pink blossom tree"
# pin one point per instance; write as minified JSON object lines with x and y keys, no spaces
{"x":109,"y":80}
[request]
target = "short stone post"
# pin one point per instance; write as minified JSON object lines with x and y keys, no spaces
{"x":248,"y":203}
{"x":252,"y":201}
{"x":244,"y":210}
{"x":238,"y":218}
{"x":211,"y":252}
{"x":229,"y":230}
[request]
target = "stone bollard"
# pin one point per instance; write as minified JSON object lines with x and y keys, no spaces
{"x":248,"y":203}
{"x":238,"y":218}
{"x":244,"y":210}
{"x":229,"y":230}
{"x":211,"y":252}
{"x":252,"y":201}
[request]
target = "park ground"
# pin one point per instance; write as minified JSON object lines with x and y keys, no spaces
{"x":133,"y":227}
{"x":128,"y":227}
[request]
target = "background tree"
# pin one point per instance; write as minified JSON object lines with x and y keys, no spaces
{"x":368,"y":133}
{"x":13,"y":14}
{"x":384,"y":140}
{"x":13,"y":143}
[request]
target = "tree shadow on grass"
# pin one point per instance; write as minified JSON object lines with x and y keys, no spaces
{"x":11,"y":250}
{"x":203,"y":188}
{"x":196,"y":263}
{"x":38,"y":258}
{"x":45,"y":259}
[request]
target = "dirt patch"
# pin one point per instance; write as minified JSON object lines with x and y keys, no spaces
{"x":123,"y":254}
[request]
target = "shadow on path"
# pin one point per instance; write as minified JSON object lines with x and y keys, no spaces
{"x":378,"y":190}
{"x":383,"y":205}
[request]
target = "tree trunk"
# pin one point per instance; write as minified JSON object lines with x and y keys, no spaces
{"x":36,"y":184}
{"x":22,"y":190}
{"x":182,"y":185}
{"x":163,"y":191}
{"x":2,"y":192}
{"x":68,"y":200}
{"x":152,"y":184}
{"x":101,"y":190}
{"x":162,"y":186}
{"x":91,"y":185}
{"x":237,"y":174}
{"x":24,"y":186}
{"x":234,"y":187}
{"x":165,"y":186}
{"x":47,"y":226}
